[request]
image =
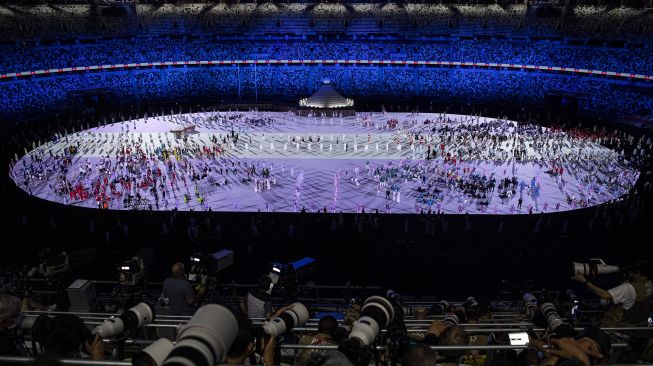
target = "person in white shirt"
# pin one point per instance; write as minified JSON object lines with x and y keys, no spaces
{"x":629,"y":302}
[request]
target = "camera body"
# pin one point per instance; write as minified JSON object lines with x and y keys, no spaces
{"x":200,"y":265}
{"x":204,"y":266}
{"x":285,"y":277}
{"x":131,"y":272}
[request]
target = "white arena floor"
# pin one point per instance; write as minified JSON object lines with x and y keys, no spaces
{"x":369,"y":162}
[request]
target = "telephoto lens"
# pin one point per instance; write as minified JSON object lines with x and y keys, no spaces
{"x":154,"y":354}
{"x":296,"y":315}
{"x":550,"y":314}
{"x":376,"y":313}
{"x":556,"y":327}
{"x":530,"y":303}
{"x":136,"y":317}
{"x":595,"y":267}
{"x":580,"y":268}
{"x":205,"y":339}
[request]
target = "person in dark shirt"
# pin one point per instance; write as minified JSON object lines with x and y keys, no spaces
{"x":182,"y":299}
{"x":243,"y":346}
{"x":66,"y":336}
{"x":326,"y":330}
{"x":420,"y":355}
{"x":258,"y":300}
{"x":9,"y":319}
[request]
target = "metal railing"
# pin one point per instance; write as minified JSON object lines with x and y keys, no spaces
{"x":314,"y":62}
{"x":25,"y":360}
{"x":413,"y":326}
{"x":495,"y":347}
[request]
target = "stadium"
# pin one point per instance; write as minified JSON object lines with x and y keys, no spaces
{"x":362,"y":182}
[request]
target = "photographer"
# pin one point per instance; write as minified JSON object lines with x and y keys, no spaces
{"x":66,"y":336}
{"x":420,"y":355}
{"x":452,"y":336}
{"x":243,"y":347}
{"x":10,"y":318}
{"x":475,"y":313}
{"x":563,"y":345}
{"x":591,"y":347}
{"x":326,"y":329}
{"x":179,"y":292}
{"x":447,"y":332}
{"x":629,"y":302}
{"x":258,"y":300}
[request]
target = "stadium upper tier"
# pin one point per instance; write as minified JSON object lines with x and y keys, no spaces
{"x":306,"y":19}
{"x":62,"y":36}
{"x":37,"y":55}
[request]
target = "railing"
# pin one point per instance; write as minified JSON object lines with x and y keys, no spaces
{"x":25,"y":360}
{"x":413,"y":326}
{"x":477,"y":65}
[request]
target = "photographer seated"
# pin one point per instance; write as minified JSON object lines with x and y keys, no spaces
{"x":564,"y":346}
{"x":629,"y":302}
{"x":475,"y":314}
{"x":242,"y":349}
{"x":591,"y":347}
{"x":420,"y":355}
{"x":326,"y":329}
{"x":447,"y":332}
{"x":10,"y":318}
{"x":243,"y":346}
{"x":438,"y":327}
{"x":452,"y":336}
{"x":66,"y":336}
{"x":179,"y":292}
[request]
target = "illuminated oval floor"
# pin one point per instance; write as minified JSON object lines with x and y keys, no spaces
{"x":286,"y":163}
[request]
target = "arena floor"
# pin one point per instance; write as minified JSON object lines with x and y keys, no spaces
{"x":369,"y":162}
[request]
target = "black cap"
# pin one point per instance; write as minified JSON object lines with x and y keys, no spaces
{"x":600,"y":337}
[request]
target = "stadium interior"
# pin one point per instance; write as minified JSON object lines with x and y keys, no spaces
{"x":514,"y":138}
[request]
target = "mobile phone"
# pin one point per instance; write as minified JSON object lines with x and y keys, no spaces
{"x":518,"y":339}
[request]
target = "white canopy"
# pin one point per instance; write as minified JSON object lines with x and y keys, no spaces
{"x":326,"y":97}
